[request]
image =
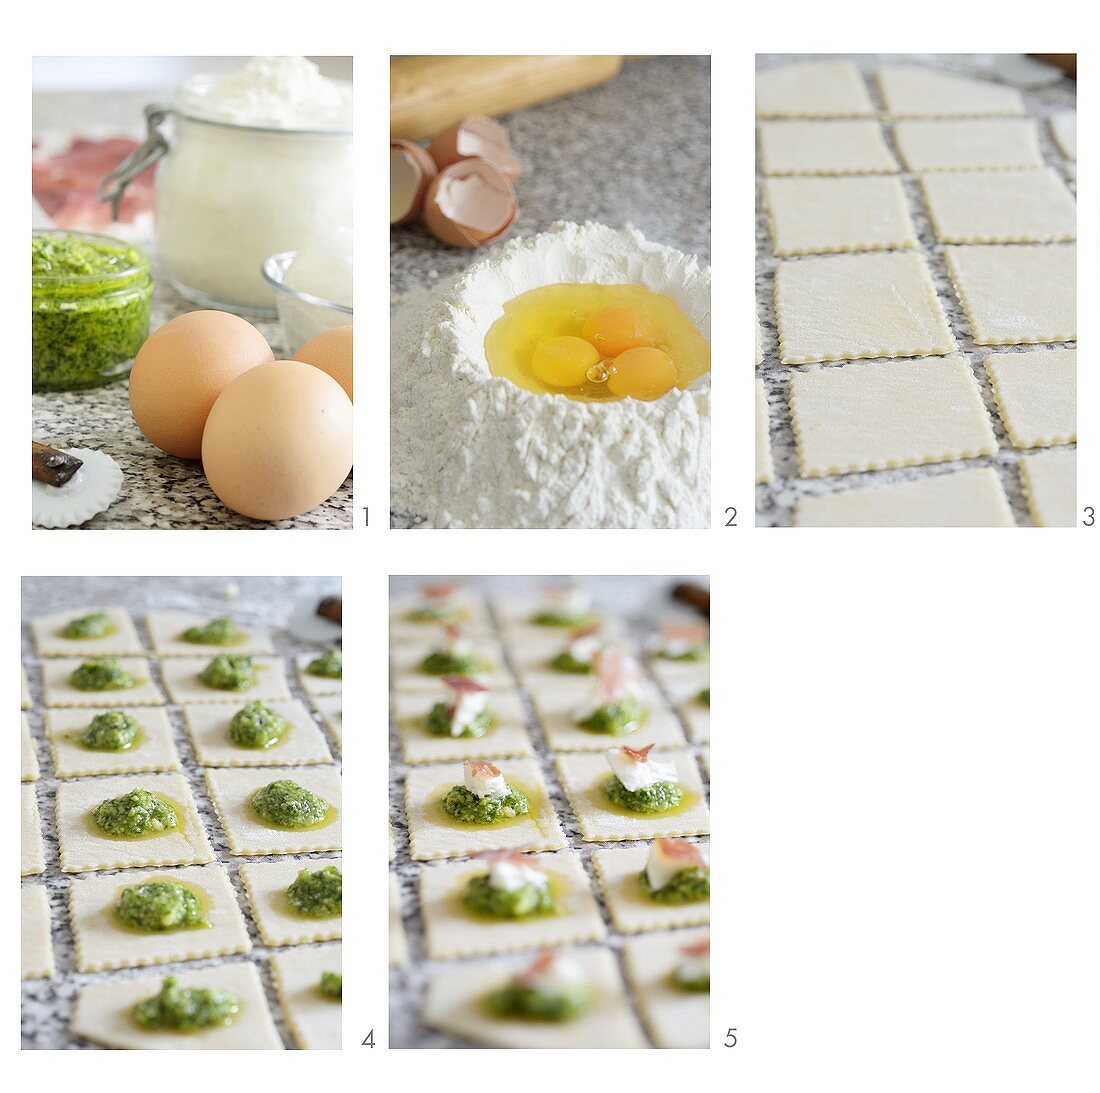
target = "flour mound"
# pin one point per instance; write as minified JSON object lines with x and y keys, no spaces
{"x":473,"y":450}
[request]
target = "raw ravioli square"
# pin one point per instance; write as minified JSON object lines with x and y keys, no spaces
{"x":966,"y":499}
{"x":316,"y":686}
{"x":913,"y":91}
{"x":765,"y":467}
{"x":104,"y":943}
{"x":1017,"y":295}
{"x":1031,"y":206}
{"x":181,"y":677}
{"x":675,"y":1018}
{"x":32,"y":853}
{"x":154,"y":749}
{"x":470,"y":614}
{"x":555,"y":712}
{"x":1050,"y":483}
{"x":696,"y":716}
{"x":28,"y":758}
{"x":451,"y":931}
{"x":331,"y":709}
{"x":406,"y":659}
{"x":60,"y":692}
{"x":121,"y":640}
{"x":1036,"y":395}
{"x":508,"y":735}
{"x":166,"y":629}
{"x":812,"y":89}
{"x":997,"y":143}
{"x":860,"y":305}
{"x":248,"y":835}
{"x":832,"y":215}
{"x":35,"y":944}
{"x":301,"y":743}
{"x":824,"y":148}
{"x":314,"y":1019}
{"x":632,"y":910}
{"x":266,"y":883}
{"x":865,"y":417}
{"x":433,"y":834}
{"x":1063,"y":126}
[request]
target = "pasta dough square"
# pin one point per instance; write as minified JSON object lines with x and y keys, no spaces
{"x":824,"y":148}
{"x":121,"y":639}
{"x":1063,"y":127}
{"x":315,"y":1020}
{"x":399,"y":946}
{"x":331,"y":709}
{"x":967,"y":499}
{"x":583,"y":777}
{"x":1050,"y":484}
{"x":451,"y":931}
{"x":60,"y":692}
{"x":632,"y":910}
{"x":696,"y":716}
{"x":1036,"y":395}
{"x":32,"y":853}
{"x":84,"y":848}
{"x":166,"y":629}
{"x":812,"y":89}
{"x":674,"y":1018}
{"x":507,"y":737}
{"x":912,"y":91}
{"x":266,"y":883}
{"x":469,"y":613}
{"x":860,"y":305}
{"x":997,"y":144}
{"x":301,"y":743}
{"x":153,"y":750}
{"x":453,"y":1004}
{"x":433,"y":834}
{"x":103,"y":943}
{"x":316,"y":685}
{"x":1030,"y":206}
{"x":28,"y":757}
{"x":181,"y":677}
{"x":103,"y":1013}
{"x":405,"y":661}
{"x":1017,"y":295}
{"x":765,"y":467}
{"x":559,"y":728}
{"x":880,"y":414}
{"x":35,"y":945}
{"x":831,"y":215}
{"x":231,"y":791}
{"x":681,"y":677}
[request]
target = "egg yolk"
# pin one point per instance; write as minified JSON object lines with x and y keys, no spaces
{"x":613,"y":330}
{"x":643,"y":373}
{"x":564,"y":361}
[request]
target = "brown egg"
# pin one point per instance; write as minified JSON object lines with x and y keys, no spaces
{"x":469,"y":203}
{"x":331,"y":352}
{"x":182,"y":368}
{"x":411,"y":170}
{"x":278,"y":441}
{"x":476,"y":138}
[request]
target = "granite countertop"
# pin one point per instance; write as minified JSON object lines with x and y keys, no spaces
{"x":46,"y":1004}
{"x":158,"y":490}
{"x":776,"y":501}
{"x":642,"y":603}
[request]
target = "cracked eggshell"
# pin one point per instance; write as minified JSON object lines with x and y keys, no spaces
{"x":411,"y":172}
{"x":470,"y":203}
{"x":477,"y":137}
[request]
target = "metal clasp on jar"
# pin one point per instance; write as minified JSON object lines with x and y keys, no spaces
{"x":145,"y":155}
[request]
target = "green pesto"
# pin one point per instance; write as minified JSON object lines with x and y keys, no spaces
{"x":94,"y":625}
{"x":159,"y":906}
{"x":101,"y":674}
{"x":566,"y":662}
{"x":436,"y":614}
{"x":691,"y":885}
{"x":438,"y":722}
{"x":562,"y":618}
{"x":659,"y":797}
{"x":703,"y":697}
{"x":112,"y":730}
{"x":697,"y":985}
{"x":257,"y":725}
{"x":440,"y":663}
{"x":528,"y":899}
{"x":468,"y":808}
{"x":138,"y":812}
{"x":332,"y":985}
{"x":186,"y":1009}
{"x":319,"y":894}
{"x":219,"y":631}
{"x":695,"y":652}
{"x":616,"y":718}
{"x":286,"y":804}
{"x":90,"y":302}
{"x":518,"y":1000}
{"x":330,"y":665}
{"x":227,"y":672}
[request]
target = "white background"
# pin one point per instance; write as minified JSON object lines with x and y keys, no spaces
{"x":905,"y":757}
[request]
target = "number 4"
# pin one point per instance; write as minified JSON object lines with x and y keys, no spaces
{"x":369,"y":1041}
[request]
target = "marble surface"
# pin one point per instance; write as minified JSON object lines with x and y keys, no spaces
{"x":775,"y":502}
{"x":47,"y":1004}
{"x":642,"y":602}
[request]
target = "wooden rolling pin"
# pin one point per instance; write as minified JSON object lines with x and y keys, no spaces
{"x":429,"y":93}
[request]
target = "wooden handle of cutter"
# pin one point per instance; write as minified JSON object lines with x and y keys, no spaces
{"x":52,"y":466}
{"x":429,"y":93}
{"x":1065,"y":61}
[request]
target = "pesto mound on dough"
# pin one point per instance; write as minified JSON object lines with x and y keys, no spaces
{"x":691,"y":885}
{"x":516,"y":999}
{"x":442,"y":663}
{"x":615,"y":718}
{"x":101,"y":674}
{"x":332,"y":985}
{"x":93,"y":625}
{"x":186,"y":1009}
{"x":659,"y":797}
{"x":138,"y":812}
{"x":159,"y":906}
{"x":468,"y":808}
{"x":284,"y":803}
{"x":257,"y":725}
{"x":522,"y":902}
{"x":317,"y":894}
{"x":112,"y":730}
{"x":219,"y":631}
{"x":227,"y":672}
{"x":330,"y":665}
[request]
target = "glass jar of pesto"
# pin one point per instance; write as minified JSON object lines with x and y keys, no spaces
{"x":90,"y":300}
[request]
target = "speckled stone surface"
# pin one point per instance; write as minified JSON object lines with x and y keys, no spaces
{"x":260,"y":601}
{"x":158,"y":490}
{"x":775,"y":502}
{"x":642,"y":602}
